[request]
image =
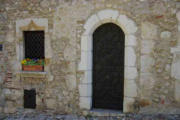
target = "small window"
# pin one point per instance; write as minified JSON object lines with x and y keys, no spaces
{"x":1,"y":47}
{"x":33,"y":51}
{"x":34,"y":44}
{"x":30,"y":99}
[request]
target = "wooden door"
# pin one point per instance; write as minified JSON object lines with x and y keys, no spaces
{"x":108,"y":67}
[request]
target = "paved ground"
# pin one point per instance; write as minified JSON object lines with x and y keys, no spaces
{"x":43,"y":116}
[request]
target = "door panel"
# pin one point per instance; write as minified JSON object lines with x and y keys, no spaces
{"x":108,"y":67}
{"x":30,"y":99}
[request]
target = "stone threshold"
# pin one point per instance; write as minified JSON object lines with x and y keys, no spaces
{"x":105,"y":112}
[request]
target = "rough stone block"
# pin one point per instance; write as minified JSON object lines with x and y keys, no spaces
{"x":178,"y":15}
{"x":165,"y":35}
{"x":38,"y":100}
{"x":44,"y":3}
{"x":25,"y":22}
{"x":6,"y":92}
{"x":149,"y":30}
{"x":70,"y":53}
{"x":175,"y":68}
{"x":9,"y":110}
{"x":1,"y":81}
{"x":48,"y":50}
{"x":1,"y":109}
{"x":147,"y":46}
{"x":50,"y":103}
{"x":146,"y":63}
{"x":108,"y":14}
{"x":147,"y":82}
{"x":17,"y":94}
{"x":159,"y":8}
{"x":71,"y":81}
{"x":2,"y":37}
{"x":10,"y":36}
{"x":3,"y":17}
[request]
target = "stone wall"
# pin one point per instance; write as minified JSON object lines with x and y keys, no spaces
{"x":58,"y":87}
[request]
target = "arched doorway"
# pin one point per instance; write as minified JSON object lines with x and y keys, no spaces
{"x":108,"y":67}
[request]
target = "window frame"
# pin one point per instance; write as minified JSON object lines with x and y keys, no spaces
{"x":32,"y":24}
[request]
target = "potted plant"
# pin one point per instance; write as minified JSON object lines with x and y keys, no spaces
{"x":32,"y":64}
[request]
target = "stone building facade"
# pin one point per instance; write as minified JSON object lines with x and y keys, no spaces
{"x":152,"y":53}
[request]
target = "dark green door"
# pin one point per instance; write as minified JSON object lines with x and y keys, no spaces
{"x":108,"y":67}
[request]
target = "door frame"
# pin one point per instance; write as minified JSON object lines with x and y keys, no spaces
{"x":85,"y":65}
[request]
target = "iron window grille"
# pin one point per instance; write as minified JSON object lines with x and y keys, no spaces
{"x":34,"y":44}
{"x":30,"y":98}
{"x":1,"y":47}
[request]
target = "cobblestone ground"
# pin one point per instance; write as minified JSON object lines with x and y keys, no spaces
{"x":44,"y":116}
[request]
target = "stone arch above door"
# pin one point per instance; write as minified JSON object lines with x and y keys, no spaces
{"x":129,"y":27}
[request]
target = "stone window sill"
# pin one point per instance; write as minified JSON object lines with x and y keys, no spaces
{"x":32,"y":74}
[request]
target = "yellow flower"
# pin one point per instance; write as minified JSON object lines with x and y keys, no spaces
{"x":23,"y":62}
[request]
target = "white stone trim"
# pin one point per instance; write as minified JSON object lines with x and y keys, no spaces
{"x":177,"y":90}
{"x":85,"y":90}
{"x":130,"y":56}
{"x":175,"y":71}
{"x":87,"y":77}
{"x":131,"y":88}
{"x":85,"y":102}
{"x":175,"y":49}
{"x":86,"y":43}
{"x":127,"y":24}
{"x":90,"y":23}
{"x":130,"y":73}
{"x":175,"y":67}
{"x":129,"y":28}
{"x":128,"y":101}
{"x":86,"y":60}
{"x":130,"y":40}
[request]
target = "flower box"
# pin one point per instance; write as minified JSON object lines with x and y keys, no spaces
{"x":33,"y":64}
{"x":32,"y":68}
